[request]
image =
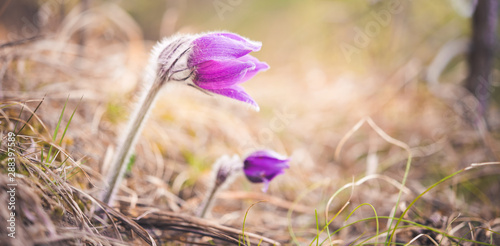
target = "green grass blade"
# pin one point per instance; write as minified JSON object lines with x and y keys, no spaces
{"x":412,"y":224}
{"x":244,"y":222}
{"x":418,"y":197}
{"x":54,"y":137}
{"x":79,"y":170}
{"x":62,"y":163}
{"x":329,"y":222}
{"x":314,"y":186}
{"x":376,"y":217}
{"x":403,"y":182}
{"x":69,"y":121}
{"x":317,"y":225}
{"x":66,"y":129}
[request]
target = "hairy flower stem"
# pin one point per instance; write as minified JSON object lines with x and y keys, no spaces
{"x":121,"y":158}
{"x":207,"y":202}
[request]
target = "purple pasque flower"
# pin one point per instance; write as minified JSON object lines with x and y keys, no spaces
{"x":221,"y":61}
{"x":264,"y":165}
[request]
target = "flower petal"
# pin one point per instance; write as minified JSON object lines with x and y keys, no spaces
{"x":259,"y":66}
{"x":268,"y":169}
{"x":261,"y":174}
{"x":220,"y":46}
{"x":220,"y":74}
{"x":267,"y":154}
{"x":236,"y":92}
{"x":266,"y":186}
{"x":263,"y":166}
{"x":254,"y":45}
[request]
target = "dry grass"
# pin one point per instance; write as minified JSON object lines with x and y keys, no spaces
{"x":308,"y":112}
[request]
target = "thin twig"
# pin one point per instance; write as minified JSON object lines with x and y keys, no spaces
{"x":20,"y":41}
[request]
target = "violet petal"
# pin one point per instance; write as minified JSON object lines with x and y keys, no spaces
{"x":254,"y":45}
{"x":263,"y":166}
{"x":236,"y":92}
{"x":259,"y":66}
{"x":220,"y":74}
{"x":220,"y":46}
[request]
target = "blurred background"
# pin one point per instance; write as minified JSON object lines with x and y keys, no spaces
{"x":403,"y":64}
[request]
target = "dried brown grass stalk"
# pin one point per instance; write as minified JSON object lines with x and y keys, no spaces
{"x":182,"y":227}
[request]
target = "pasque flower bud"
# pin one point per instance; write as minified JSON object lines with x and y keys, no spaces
{"x":264,"y":165}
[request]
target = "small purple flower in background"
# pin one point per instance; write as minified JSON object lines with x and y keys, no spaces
{"x":221,"y":61}
{"x":259,"y":167}
{"x":263,"y":166}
